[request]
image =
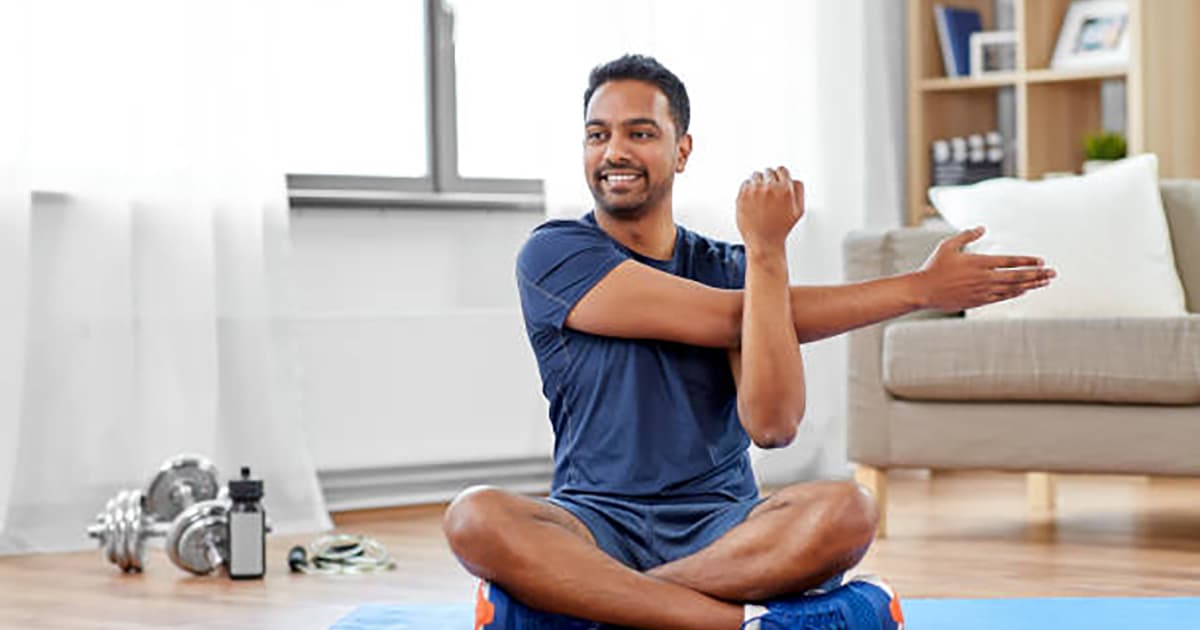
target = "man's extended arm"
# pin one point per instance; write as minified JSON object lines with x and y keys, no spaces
{"x":638,"y":301}
{"x":826,"y":311}
{"x":950,"y":281}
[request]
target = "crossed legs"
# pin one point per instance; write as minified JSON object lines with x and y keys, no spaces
{"x":545,"y":557}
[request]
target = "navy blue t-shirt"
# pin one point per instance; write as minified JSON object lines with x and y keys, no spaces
{"x":632,"y":417}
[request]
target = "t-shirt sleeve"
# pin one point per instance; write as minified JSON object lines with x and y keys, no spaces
{"x":557,"y":266}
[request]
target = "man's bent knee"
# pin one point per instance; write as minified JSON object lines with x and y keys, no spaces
{"x":843,"y":511}
{"x":473,"y":524}
{"x":850,"y":515}
{"x":870,"y":503}
{"x":862,"y":512}
{"x":843,"y":527}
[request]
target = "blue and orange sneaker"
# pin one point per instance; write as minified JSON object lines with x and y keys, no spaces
{"x":496,"y":610}
{"x":864,"y":603}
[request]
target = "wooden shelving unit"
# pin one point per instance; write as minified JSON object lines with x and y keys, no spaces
{"x":1055,"y":109}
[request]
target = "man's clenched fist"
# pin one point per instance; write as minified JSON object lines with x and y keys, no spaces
{"x":769,"y":203}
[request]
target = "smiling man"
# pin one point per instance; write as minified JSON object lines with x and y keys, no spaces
{"x":664,"y":354}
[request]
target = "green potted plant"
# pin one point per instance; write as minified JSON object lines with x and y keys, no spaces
{"x":1101,"y":149}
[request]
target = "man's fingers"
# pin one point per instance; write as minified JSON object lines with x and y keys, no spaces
{"x":961,"y":239}
{"x":999,"y":296}
{"x":1021,"y":276}
{"x":998,"y":262}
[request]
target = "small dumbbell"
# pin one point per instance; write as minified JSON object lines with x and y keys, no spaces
{"x":180,"y":482}
{"x":122,"y":529}
{"x":198,"y":540}
{"x":133,"y":516}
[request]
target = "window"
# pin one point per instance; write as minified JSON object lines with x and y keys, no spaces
{"x":352,"y":87}
{"x":498,"y":127}
{"x":375,"y":103}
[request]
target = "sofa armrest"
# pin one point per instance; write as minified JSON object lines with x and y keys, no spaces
{"x":863,"y":255}
{"x":1181,"y":200}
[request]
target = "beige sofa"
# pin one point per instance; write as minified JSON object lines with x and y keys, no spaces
{"x":938,"y":391}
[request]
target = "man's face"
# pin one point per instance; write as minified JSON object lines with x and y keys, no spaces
{"x":631,"y":152}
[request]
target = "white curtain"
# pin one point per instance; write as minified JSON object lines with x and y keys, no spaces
{"x":143,"y":240}
{"x":815,"y":85}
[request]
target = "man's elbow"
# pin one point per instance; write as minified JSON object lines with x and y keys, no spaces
{"x":773,"y":427}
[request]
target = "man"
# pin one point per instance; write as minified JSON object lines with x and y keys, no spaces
{"x":663,"y":355}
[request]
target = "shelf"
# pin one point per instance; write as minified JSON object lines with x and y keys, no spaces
{"x":1006,"y":79}
{"x":1052,"y":110}
{"x":946,"y":84}
{"x":1089,"y":74}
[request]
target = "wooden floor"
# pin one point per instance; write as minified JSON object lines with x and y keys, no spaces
{"x":955,"y":535}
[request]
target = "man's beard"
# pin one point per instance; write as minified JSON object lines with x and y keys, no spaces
{"x":628,"y":209}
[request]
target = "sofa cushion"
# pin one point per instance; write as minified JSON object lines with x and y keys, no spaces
{"x":1105,"y":234}
{"x":1123,"y":360}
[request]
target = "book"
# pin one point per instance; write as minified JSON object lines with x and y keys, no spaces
{"x":955,"y":26}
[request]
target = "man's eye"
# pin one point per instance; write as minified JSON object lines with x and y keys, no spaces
{"x":595,"y":135}
{"x":642,"y":134}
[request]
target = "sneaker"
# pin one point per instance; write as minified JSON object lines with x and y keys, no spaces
{"x":496,"y":610}
{"x":864,"y":603}
{"x":828,"y":585}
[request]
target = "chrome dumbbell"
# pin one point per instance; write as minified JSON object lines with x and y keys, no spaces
{"x":181,"y":482}
{"x":122,"y":529}
{"x":198,"y":539}
{"x":133,"y":516}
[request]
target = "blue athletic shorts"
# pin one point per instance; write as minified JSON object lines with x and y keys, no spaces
{"x":644,"y":533}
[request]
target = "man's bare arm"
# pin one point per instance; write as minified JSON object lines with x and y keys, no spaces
{"x":637,"y":301}
{"x":771,"y":389}
{"x":950,"y":280}
{"x":819,"y":312}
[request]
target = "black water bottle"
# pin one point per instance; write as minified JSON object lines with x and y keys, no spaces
{"x":247,"y":528}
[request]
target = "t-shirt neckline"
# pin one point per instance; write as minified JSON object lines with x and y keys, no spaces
{"x":590,"y":219}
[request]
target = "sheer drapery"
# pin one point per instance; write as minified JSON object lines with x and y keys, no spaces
{"x":143,"y":224}
{"x":810,"y":84}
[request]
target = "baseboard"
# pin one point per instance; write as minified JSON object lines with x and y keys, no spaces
{"x":366,"y":488}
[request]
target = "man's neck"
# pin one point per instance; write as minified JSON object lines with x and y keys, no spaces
{"x":651,"y":235}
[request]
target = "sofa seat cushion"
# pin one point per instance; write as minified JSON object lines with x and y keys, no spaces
{"x":1124,"y":360}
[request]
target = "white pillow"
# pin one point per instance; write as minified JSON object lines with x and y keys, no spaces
{"x":1104,"y":233}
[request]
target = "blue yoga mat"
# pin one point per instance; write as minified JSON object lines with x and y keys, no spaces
{"x":408,"y":617}
{"x":1101,"y":613}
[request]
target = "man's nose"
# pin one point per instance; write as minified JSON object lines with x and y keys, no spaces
{"x":616,"y":151}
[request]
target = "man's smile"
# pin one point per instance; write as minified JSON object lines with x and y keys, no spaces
{"x":620,"y":179}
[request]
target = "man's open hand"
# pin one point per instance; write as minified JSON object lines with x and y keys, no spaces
{"x":769,"y":203}
{"x":953,"y":280}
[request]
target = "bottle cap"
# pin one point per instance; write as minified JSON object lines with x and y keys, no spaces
{"x":246,"y":489}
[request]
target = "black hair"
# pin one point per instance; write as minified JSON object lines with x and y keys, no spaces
{"x":647,"y":69}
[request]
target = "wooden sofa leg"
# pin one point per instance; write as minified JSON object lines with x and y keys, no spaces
{"x":875,"y":479}
{"x":1040,"y":493}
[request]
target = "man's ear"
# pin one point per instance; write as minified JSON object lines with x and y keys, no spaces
{"x":683,"y":149}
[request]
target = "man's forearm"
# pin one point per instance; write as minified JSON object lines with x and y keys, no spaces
{"x":825,"y":311}
{"x":771,"y":393}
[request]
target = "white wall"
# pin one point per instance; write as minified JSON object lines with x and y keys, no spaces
{"x":411,"y":339}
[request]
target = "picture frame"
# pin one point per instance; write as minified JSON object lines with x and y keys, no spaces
{"x":993,"y":52}
{"x":1094,"y":34}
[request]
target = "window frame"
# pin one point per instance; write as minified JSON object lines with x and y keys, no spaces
{"x":442,"y":187}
